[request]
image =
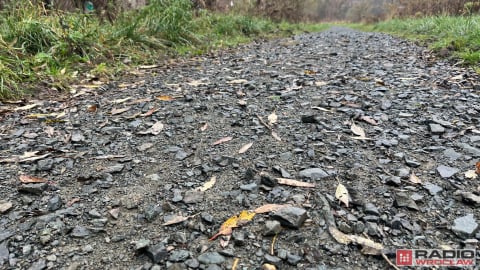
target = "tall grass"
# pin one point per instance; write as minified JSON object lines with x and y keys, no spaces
{"x":460,"y":36}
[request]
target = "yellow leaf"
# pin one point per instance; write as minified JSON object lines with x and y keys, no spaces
{"x":165,"y":98}
{"x":233,"y":222}
{"x":208,"y":185}
{"x":342,"y":194}
{"x":245,"y":148}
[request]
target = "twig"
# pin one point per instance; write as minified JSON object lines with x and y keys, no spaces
{"x":390,"y":262}
{"x":263,"y":122}
{"x":273,"y":245}
{"x":235,"y":263}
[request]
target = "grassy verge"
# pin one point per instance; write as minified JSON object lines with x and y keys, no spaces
{"x":42,"y":48}
{"x":453,"y":36}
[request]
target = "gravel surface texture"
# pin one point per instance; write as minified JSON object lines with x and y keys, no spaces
{"x":142,"y":174}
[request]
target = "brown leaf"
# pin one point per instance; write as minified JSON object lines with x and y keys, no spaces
{"x":342,"y":194}
{"x":477,"y":167}
{"x":31,"y":179}
{"x":369,"y":120}
{"x":119,"y":111}
{"x":222,"y":140}
{"x":414,"y":179}
{"x":294,"y":183}
{"x":72,"y":201}
{"x":176,"y":220}
{"x":92,"y":108}
{"x":150,"y":112}
{"x":269,"y":208}
{"x":225,"y":240}
{"x":208,"y":185}
{"x":245,"y":148}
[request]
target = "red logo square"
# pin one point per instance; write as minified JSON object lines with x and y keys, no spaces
{"x":404,"y":257}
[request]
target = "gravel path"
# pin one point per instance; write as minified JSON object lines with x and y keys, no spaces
{"x":141,"y":174}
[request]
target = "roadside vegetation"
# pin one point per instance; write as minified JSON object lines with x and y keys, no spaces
{"x":53,"y":48}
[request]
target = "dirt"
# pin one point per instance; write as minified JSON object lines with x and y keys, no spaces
{"x":89,"y":181}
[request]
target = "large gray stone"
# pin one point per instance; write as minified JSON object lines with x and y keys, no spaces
{"x":313,"y":173}
{"x":465,"y":226}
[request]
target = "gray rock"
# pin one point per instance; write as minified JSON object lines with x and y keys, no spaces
{"x":412,"y":162}
{"x":249,"y":187}
{"x":313,"y":173}
{"x":181,"y":155}
{"x":446,"y":171}
{"x":214,"y":267}
{"x":141,"y":244}
{"x":292,"y":217}
{"x":451,"y":154}
{"x":116,"y":168}
{"x":344,"y":227}
{"x":474,"y":151}
{"x":80,"y":232}
{"x":38,"y":265}
{"x":193,"y":196}
{"x":180,"y":237}
{"x":272,"y":259}
{"x":151,"y":212}
{"x":370,"y":209}
{"x":54,"y":203}
{"x":77,"y":136}
{"x":177,"y":195}
{"x":179,"y":255}
{"x":403,"y":200}
{"x":192,"y":263}
{"x":4,"y":253}
{"x":393,"y":180}
{"x":157,"y":253}
{"x":432,"y":188}
{"x":436,"y":129}
{"x":145,"y":146}
{"x":45,"y":164}
{"x":465,"y":226}
{"x":211,"y":258}
{"x":403,"y":173}
{"x":272,"y":227}
{"x":26,"y":250}
{"x":293,"y":259}
{"x":36,"y":188}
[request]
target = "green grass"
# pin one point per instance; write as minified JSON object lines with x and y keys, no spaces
{"x":458,"y":35}
{"x":59,"y":49}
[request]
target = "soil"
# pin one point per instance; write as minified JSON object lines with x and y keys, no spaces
{"x":142,"y":174}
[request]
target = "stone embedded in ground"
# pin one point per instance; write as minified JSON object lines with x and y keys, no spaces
{"x":54,"y":203}
{"x":36,"y":188}
{"x":313,"y":173}
{"x":179,"y":255}
{"x":474,"y":151}
{"x":157,"y":253}
{"x":211,"y":258}
{"x":370,"y":209}
{"x":4,"y":253}
{"x":293,"y":259}
{"x":446,"y":171}
{"x":272,"y":227}
{"x":141,"y":244}
{"x":451,"y":154}
{"x":38,"y":265}
{"x":249,"y":187}
{"x":403,"y":200}
{"x":412,"y":162}
{"x":432,"y":188}
{"x":465,"y":226}
{"x":5,"y":206}
{"x":80,"y":232}
{"x":436,"y":129}
{"x":193,"y":196}
{"x":291,"y":216}
{"x":192,"y":263}
{"x":238,"y":237}
{"x":45,"y":164}
{"x":272,"y":259}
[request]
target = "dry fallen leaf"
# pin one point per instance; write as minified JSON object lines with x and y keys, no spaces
{"x":149,"y":112}
{"x":272,"y":118}
{"x":267,"y":266}
{"x":320,"y":83}
{"x":245,"y":148}
{"x":380,"y":82}
{"x":339,"y":236}
{"x":26,"y":107}
{"x":222,"y":140}
{"x":165,"y":98}
{"x":369,"y":120}
{"x":204,"y":127}
{"x":92,"y":108}
{"x":31,"y":179}
{"x":269,"y":208}
{"x":233,"y":222}
{"x":119,"y":111}
{"x":176,"y":220}
{"x":118,"y":101}
{"x":294,"y":183}
{"x":208,"y":185}
{"x":275,"y":135}
{"x":357,"y":130}
{"x":414,"y":179}
{"x":239,"y":81}
{"x":72,"y":201}
{"x":470,"y":174}
{"x":477,"y":167}
{"x":342,"y":194}
{"x":156,"y":128}
{"x":196,"y":83}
